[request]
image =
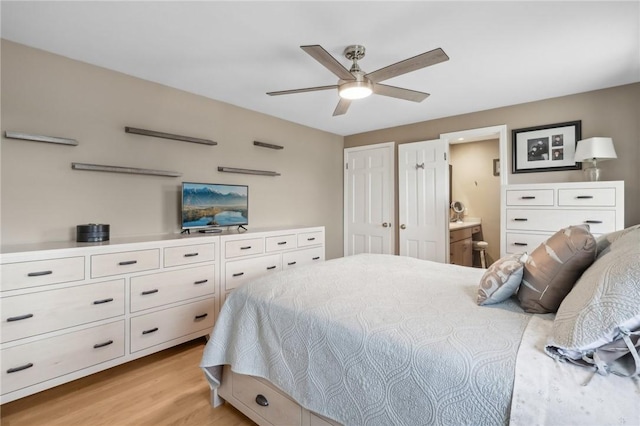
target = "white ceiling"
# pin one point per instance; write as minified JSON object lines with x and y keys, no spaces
{"x":502,"y":53}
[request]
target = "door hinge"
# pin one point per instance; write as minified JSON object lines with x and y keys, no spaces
{"x":445,"y":156}
{"x":346,"y":166}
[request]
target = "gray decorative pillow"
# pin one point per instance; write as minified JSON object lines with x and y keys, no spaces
{"x":604,"y":241}
{"x":554,"y":267}
{"x":501,"y":280}
{"x":603,"y":305}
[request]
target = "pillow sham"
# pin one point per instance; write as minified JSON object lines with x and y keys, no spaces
{"x":604,"y":241}
{"x":604,"y":305}
{"x":554,"y":267}
{"x":501,"y":280}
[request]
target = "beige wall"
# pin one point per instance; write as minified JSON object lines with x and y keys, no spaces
{"x":613,"y":112}
{"x":43,"y":199}
{"x":475,"y":186}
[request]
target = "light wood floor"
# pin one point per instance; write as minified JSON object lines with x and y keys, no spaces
{"x":167,"y":388}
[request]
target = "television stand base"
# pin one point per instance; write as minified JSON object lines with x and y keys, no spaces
{"x":241,"y":227}
{"x":210,"y":231}
{"x":186,"y":231}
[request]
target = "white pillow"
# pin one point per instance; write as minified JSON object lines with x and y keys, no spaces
{"x":501,"y":280}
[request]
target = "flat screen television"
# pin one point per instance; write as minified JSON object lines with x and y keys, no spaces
{"x":211,"y":205}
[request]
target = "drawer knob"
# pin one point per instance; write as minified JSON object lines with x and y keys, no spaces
{"x":102,"y":345}
{"x":144,"y":293}
{"x":22,"y":367}
{"x":190,"y":254}
{"x":128,"y":262}
{"x":311,"y":239}
{"x":238,"y":274}
{"x":201,"y":316}
{"x":315,"y":258}
{"x":520,"y":219}
{"x":271,"y":267}
{"x":528,"y":197}
{"x":200,"y":281}
{"x":245,"y":248}
{"x":262,"y":401}
{"x":593,"y":221}
{"x":520,"y":244}
{"x":100,"y":302}
{"x":152,"y":330}
{"x":291,"y":263}
{"x":281,"y":243}
{"x":19,"y":317}
{"x":39,"y":273}
{"x":584,"y":197}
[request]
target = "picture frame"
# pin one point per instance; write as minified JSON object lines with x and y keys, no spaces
{"x":546,"y":148}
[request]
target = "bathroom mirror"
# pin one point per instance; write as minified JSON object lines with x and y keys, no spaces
{"x":458,"y":209}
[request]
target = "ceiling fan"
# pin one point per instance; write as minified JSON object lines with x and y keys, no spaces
{"x":356,"y":84}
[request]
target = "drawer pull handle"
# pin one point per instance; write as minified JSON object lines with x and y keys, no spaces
{"x":584,"y":197}
{"x":100,"y":302}
{"x":245,"y":248}
{"x":315,"y":258}
{"x":102,"y":345}
{"x":291,"y":263}
{"x":311,"y":239}
{"x":271,"y":267}
{"x":128,"y":262}
{"x":39,"y":274}
{"x":281,"y":243}
{"x":190,"y":254}
{"x":238,"y":274}
{"x":144,"y":293}
{"x":262,"y":401}
{"x":22,"y":367}
{"x":20,"y":317}
{"x":592,"y":221}
{"x":153,"y":330}
{"x":528,"y":197}
{"x":520,"y":219}
{"x":201,"y":316}
{"x":520,"y":244}
{"x":200,"y":281}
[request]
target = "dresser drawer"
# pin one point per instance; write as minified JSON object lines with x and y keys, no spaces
{"x":520,"y":243}
{"x":240,"y":271}
{"x":302,"y":257}
{"x":104,"y":265}
{"x":460,"y":234}
{"x":162,"y":326}
{"x":590,"y":197}
{"x":599,"y":221}
{"x":150,"y":291}
{"x":36,"y":313}
{"x":280,"y":409}
{"x":530,"y":197}
{"x":281,"y":242}
{"x":310,"y":238}
{"x":186,"y":255}
{"x":246,"y":247}
{"x":36,"y":362}
{"x":41,"y":272}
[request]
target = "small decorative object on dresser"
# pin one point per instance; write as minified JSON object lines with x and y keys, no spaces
{"x":591,"y":150}
{"x":546,"y":148}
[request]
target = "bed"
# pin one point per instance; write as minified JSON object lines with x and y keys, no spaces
{"x":389,"y":340}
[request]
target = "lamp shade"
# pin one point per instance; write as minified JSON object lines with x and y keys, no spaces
{"x":597,"y":148}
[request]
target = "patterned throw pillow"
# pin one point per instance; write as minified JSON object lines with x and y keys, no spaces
{"x":501,"y":280}
{"x":553,"y":268}
{"x":604,"y":305}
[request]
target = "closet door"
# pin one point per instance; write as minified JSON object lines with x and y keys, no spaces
{"x":423,"y":182}
{"x":369,"y":216}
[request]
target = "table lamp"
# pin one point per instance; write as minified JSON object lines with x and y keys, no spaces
{"x":593,"y":150}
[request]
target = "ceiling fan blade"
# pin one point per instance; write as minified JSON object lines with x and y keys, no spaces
{"x":307,"y":89}
{"x":342,"y":107}
{"x":329,"y":62}
{"x":423,"y":60}
{"x":400,"y":93}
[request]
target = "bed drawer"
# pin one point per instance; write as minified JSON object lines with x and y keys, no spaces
{"x":591,"y":197}
{"x":240,"y":271}
{"x":150,"y":291}
{"x":253,"y":393}
{"x":162,"y":326}
{"x":310,"y":238}
{"x":104,"y":265}
{"x":45,"y":311}
{"x":599,"y":221}
{"x":186,"y":255}
{"x":302,"y":257}
{"x":36,"y":362}
{"x":41,"y":272}
{"x":519,"y":243}
{"x":530,"y":197}
{"x":281,"y":242}
{"x":246,"y":247}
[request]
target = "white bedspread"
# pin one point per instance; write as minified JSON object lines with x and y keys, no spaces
{"x":375,"y":340}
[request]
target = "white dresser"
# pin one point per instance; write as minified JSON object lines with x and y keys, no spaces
{"x":533,"y":212}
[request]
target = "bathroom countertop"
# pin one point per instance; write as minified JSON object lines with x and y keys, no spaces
{"x":465,"y":224}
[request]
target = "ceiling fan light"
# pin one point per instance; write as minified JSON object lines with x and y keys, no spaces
{"x":355,"y":90}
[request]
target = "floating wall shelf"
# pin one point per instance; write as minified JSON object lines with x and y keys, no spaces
{"x":130,"y":170}
{"x":247,"y":171}
{"x":40,"y":138}
{"x":169,"y":136}
{"x":267,"y":145}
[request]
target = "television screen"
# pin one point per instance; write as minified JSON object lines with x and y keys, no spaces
{"x":207,"y":205}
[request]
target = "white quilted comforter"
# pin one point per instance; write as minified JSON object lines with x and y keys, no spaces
{"x":375,"y":340}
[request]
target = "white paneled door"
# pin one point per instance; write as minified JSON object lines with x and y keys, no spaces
{"x":369,"y":216}
{"x":423,"y":186}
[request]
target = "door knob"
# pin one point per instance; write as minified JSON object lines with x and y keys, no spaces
{"x":403,"y":226}
{"x":385,"y":224}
